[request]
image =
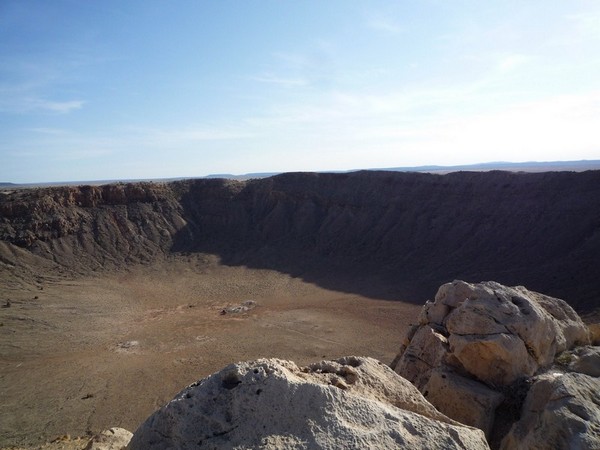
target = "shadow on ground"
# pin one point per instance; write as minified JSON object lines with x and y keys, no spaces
{"x":399,"y":236}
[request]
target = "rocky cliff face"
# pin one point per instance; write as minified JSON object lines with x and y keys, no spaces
{"x":420,"y":230}
{"x":111,"y":223}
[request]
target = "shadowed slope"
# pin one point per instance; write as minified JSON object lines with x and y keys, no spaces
{"x":343,"y":231}
{"x":418,"y":230}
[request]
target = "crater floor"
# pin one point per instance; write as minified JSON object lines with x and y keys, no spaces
{"x":78,"y":356}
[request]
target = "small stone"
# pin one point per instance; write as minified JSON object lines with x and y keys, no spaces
{"x":112,"y":439}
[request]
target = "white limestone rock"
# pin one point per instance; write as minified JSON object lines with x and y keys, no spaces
{"x":496,"y":333}
{"x":586,"y":360}
{"x":112,"y":439}
{"x":561,"y":411}
{"x":349,"y":403}
{"x":490,"y":337}
{"x":463,"y":399}
{"x":427,"y":350}
{"x":494,"y":358}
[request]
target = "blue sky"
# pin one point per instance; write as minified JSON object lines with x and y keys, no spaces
{"x":93,"y":90}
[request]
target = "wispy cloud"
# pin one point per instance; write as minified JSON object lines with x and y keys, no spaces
{"x":315,"y":66}
{"x":182,"y":136}
{"x":293,"y":60}
{"x":281,"y":81}
{"x":507,"y":63}
{"x":48,"y":131}
{"x":57,"y":107}
{"x":21,"y":99}
{"x":437,"y":125}
{"x":62,"y":146}
{"x":346,"y":130}
{"x":384,"y":25}
{"x":542,"y":130}
{"x":587,"y":24}
{"x":32,"y":83}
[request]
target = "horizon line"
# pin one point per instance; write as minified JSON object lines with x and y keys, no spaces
{"x":583,"y":164}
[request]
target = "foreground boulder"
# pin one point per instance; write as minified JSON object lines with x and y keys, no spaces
{"x":349,"y":403}
{"x":469,"y":401}
{"x":584,"y":360}
{"x":476,"y":342}
{"x":561,"y":412}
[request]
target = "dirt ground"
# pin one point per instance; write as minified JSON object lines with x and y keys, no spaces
{"x":79,"y":356}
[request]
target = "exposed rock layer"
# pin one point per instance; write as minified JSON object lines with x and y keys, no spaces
{"x":561,"y":412}
{"x":476,"y":341}
{"x":541,"y":230}
{"x":349,"y":403}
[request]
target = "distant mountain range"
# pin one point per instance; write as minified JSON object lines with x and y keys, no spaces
{"x":531,"y":166}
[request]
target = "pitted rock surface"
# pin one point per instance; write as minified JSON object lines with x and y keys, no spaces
{"x":561,"y":412}
{"x":349,"y":403}
{"x":485,"y":337}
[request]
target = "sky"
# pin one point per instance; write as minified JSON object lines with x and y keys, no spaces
{"x":112,"y":89}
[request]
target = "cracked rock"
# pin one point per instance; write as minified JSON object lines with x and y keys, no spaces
{"x":561,"y":411}
{"x":488,"y":333}
{"x":496,"y":333}
{"x":352,"y":402}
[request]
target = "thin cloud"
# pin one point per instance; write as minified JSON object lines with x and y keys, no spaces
{"x":48,"y":131}
{"x":58,"y":107}
{"x":435,"y":126}
{"x":316,"y":67}
{"x":384,"y":25}
{"x":30,"y":85}
{"x":293,"y":60}
{"x":168,"y":137}
{"x":281,"y":81}
{"x":25,"y":103}
{"x":587,"y":24}
{"x":550,"y":126}
{"x":508,"y":63}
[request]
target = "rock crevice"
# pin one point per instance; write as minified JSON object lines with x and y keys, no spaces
{"x":493,"y":342}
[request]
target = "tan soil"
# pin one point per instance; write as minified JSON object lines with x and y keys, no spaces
{"x":79,"y":356}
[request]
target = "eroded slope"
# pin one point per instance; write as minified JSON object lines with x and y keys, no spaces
{"x":420,"y":230}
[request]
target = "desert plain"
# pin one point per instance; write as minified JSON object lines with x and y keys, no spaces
{"x":81,"y":355}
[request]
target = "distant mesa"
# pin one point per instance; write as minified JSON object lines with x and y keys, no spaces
{"x":246,"y":176}
{"x":531,"y":166}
